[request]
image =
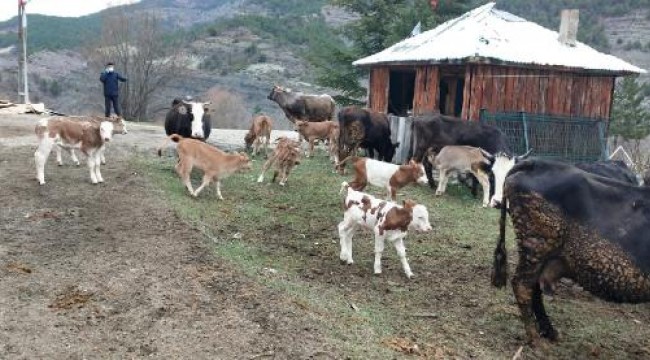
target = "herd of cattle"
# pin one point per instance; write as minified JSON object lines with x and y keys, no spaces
{"x":587,"y":222}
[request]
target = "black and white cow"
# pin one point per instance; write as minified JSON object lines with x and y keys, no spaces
{"x":571,"y":223}
{"x":188,"y":119}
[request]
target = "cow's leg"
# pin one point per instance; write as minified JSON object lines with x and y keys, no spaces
{"x":379,"y":249}
{"x":91,"y":161}
{"x":206,"y":181}
{"x":311,"y":147}
{"x":73,"y":156}
{"x":219,"y":190}
{"x":40,"y":157}
{"x":265,"y":167}
{"x":98,"y":161}
{"x":59,"y":158}
{"x":401,"y":252}
{"x":284,"y":174}
{"x":184,"y":169}
{"x":484,"y":180}
{"x":428,"y":170}
{"x":102,"y":159}
{"x":442,"y":181}
{"x":346,"y":232}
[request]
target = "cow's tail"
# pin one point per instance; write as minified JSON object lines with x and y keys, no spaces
{"x":173,"y":137}
{"x":500,"y":266}
{"x":344,"y":188}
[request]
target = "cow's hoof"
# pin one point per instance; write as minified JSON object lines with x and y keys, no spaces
{"x":281,"y":184}
{"x":410,"y":275}
{"x":60,"y":164}
{"x":439,"y":193}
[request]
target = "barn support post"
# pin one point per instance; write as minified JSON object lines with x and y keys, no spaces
{"x":603,"y":141}
{"x":525,"y":123}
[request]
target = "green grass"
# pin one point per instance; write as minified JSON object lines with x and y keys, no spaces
{"x":292,"y":229}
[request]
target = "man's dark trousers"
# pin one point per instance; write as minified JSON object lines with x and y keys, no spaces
{"x":108,"y":99}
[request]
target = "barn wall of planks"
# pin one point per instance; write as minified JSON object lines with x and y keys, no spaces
{"x":378,"y":89}
{"x":539,"y":91}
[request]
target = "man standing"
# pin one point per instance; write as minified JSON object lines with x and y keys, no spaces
{"x":110,"y":78}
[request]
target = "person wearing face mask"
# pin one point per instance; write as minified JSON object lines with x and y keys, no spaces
{"x":111,"y":78}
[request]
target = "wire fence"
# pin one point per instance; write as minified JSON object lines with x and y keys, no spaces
{"x":564,"y":138}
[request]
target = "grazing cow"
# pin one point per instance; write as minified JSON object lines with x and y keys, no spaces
{"x":299,"y":106}
{"x":463,"y":159}
{"x":285,"y":156}
{"x":89,"y":137}
{"x":437,"y":131}
{"x":215,"y":163}
{"x":188,"y":119}
{"x":387,"y":220}
{"x":367,"y":129}
{"x":610,"y":169}
{"x":259,"y":134}
{"x":119,"y":127}
{"x":325,"y":130}
{"x":385,"y":175}
{"x":571,"y":223}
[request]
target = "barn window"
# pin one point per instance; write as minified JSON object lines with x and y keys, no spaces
{"x":452,"y":86}
{"x":401,"y":92}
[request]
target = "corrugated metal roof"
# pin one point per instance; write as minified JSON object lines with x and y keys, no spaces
{"x":488,"y":33}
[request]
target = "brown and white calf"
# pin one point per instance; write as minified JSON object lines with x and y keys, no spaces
{"x":464,"y":159}
{"x":89,"y":137}
{"x":386,"y":175}
{"x":119,"y":127}
{"x":285,"y":156}
{"x":259,"y":134}
{"x":215,"y":163}
{"x":324,"y":130}
{"x":387,"y":220}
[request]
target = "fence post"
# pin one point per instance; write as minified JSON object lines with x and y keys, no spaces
{"x":604,"y":146}
{"x":525,"y":123}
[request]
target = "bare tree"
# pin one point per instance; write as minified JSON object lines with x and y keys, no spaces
{"x":136,"y":43}
{"x":229,"y":111}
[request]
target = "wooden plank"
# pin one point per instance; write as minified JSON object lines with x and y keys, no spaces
{"x":467,"y":92}
{"x":508,"y":89}
{"x":531,"y":94}
{"x":542,"y":93}
{"x":578,"y":89}
{"x":587,"y":109}
{"x":499,"y":89}
{"x":567,"y":95}
{"x":379,"y":82}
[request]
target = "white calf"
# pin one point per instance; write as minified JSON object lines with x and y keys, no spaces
{"x":86,"y":136}
{"x":387,"y":220}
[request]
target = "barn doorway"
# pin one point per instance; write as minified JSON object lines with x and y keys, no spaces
{"x":452,"y":88}
{"x":401,"y":91}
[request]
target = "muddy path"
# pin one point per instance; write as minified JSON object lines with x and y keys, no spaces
{"x":109,"y":271}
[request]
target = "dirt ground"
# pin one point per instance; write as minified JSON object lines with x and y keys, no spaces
{"x":109,"y":271}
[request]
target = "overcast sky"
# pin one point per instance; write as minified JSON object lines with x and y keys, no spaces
{"x":9,"y":8}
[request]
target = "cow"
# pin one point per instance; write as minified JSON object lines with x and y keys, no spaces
{"x":286,"y":156}
{"x":385,"y":175}
{"x":611,"y":169}
{"x":89,"y":137}
{"x":387,"y":220}
{"x":306,"y":107}
{"x":119,"y":127}
{"x":571,"y":223}
{"x":367,"y":129}
{"x":259,"y":134}
{"x":188,"y":119}
{"x":215,"y":163}
{"x":325,"y":130}
{"x":437,"y":131}
{"x":463,"y":159}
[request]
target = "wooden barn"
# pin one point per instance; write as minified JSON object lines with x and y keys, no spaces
{"x":490,"y":59}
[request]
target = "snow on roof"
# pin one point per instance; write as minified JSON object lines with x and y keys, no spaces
{"x":488,"y":33}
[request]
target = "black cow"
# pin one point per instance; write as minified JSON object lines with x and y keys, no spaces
{"x":574,"y":224}
{"x":359,"y":127}
{"x":188,"y":119}
{"x":613,"y":169}
{"x":305,"y":107}
{"x":437,"y":131}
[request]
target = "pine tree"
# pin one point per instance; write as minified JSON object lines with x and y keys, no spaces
{"x":381,"y":23}
{"x":629,"y":121}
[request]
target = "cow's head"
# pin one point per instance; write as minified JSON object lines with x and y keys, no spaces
{"x":501,"y":165}
{"x":106,"y":131}
{"x":420,"y":217}
{"x":119,"y":126}
{"x":249,"y":138}
{"x":243,"y":162}
{"x":275,"y":92}
{"x":197,"y":110}
{"x":300,"y":124}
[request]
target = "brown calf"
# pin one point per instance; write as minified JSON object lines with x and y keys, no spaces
{"x":62,"y":132}
{"x":216,"y":164}
{"x":259,"y":134}
{"x":386,"y":175}
{"x":119,"y":127}
{"x":325,"y":130}
{"x":286,"y":156}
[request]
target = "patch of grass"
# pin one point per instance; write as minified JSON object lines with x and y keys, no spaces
{"x":449,"y":309}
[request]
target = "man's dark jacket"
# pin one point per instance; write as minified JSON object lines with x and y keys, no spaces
{"x":110,"y":79}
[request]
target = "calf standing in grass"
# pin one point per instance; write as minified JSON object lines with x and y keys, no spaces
{"x":259,"y":134}
{"x":285,"y":156}
{"x":386,"y":175}
{"x":387,"y":220}
{"x":325,"y":130}
{"x":90,"y":137}
{"x":215,"y":163}
{"x":463,"y":159}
